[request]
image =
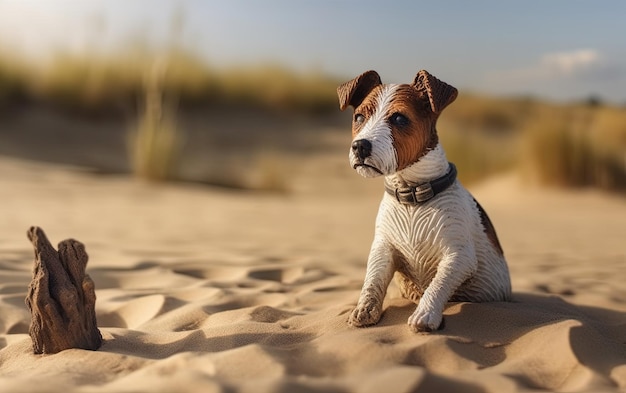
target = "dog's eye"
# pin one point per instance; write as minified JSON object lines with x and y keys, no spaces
{"x":359,"y":118}
{"x":399,"y":119}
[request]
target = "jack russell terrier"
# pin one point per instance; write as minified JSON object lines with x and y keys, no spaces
{"x":430,"y":232}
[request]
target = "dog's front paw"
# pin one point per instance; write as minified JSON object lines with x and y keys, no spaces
{"x":424,"y":320}
{"x":366,"y":314}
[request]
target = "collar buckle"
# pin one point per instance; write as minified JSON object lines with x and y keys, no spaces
{"x":422,"y":193}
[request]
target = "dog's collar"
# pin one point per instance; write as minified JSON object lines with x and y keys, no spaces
{"x":424,"y":192}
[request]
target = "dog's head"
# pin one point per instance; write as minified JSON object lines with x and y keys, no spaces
{"x":393,"y":125}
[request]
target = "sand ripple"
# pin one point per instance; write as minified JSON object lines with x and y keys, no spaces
{"x":187,"y":301}
{"x":262,"y":328}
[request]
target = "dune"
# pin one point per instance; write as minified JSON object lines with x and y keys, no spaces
{"x":209,"y":290}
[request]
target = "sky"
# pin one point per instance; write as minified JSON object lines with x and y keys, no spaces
{"x":557,"y":49}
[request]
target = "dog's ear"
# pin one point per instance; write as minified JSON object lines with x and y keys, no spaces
{"x":440,"y":94}
{"x":354,"y":92}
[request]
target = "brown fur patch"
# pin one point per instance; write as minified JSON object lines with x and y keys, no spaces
{"x":489,"y":229}
{"x":366,"y":108}
{"x":419,"y":136}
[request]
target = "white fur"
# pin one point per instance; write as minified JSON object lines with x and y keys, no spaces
{"x":439,"y":247}
{"x":378,"y":132}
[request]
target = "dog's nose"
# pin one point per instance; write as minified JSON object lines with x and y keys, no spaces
{"x":362,"y":148}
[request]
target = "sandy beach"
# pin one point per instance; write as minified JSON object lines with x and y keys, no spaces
{"x":204,"y":289}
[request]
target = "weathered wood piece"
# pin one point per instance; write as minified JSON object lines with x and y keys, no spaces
{"x":61,"y":297}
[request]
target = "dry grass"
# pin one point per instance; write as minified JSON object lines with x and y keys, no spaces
{"x":479,"y":154}
{"x":156,"y":143}
{"x":13,"y":74}
{"x":481,"y":134}
{"x":564,"y":145}
{"x":577,"y":146}
{"x":573,"y":145}
{"x":490,"y":114}
{"x":96,"y":82}
{"x":277,"y":88}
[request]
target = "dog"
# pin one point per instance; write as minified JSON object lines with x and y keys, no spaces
{"x":430,"y":232}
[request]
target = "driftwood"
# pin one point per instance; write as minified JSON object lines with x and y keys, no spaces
{"x":61,"y":297}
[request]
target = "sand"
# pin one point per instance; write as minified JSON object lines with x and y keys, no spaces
{"x":209,"y":290}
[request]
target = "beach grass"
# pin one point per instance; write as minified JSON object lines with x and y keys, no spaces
{"x":99,"y":82}
{"x":156,"y":141}
{"x":569,"y":145}
{"x":577,"y":146}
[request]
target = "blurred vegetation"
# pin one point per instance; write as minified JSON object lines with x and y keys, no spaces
{"x":13,"y":77}
{"x":95,"y":83}
{"x":156,"y":142}
{"x":572,"y":145}
{"x":568,"y":145}
{"x":577,"y":146}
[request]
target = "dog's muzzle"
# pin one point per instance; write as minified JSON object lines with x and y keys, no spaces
{"x":362,"y":148}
